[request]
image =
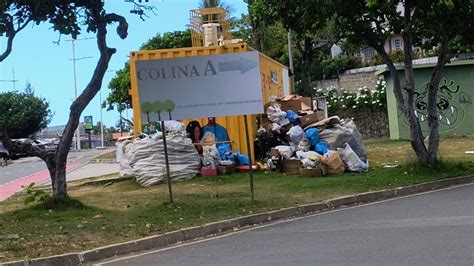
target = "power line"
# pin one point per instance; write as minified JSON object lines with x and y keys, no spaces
{"x":13,"y":80}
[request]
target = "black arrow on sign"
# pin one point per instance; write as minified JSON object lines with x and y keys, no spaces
{"x":243,"y":65}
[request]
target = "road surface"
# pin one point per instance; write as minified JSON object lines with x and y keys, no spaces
{"x":31,"y":165}
{"x":435,"y":228}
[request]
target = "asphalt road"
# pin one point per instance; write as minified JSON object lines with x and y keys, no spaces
{"x":430,"y":229}
{"x":30,"y":165}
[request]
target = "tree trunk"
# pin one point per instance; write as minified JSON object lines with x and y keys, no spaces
{"x":78,"y":106}
{"x":416,"y":134}
{"x":433,"y":140}
{"x":406,"y":105}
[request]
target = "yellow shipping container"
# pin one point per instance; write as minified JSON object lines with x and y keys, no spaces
{"x":274,"y":78}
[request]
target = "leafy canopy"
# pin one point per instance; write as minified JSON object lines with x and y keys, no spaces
{"x":24,"y":113}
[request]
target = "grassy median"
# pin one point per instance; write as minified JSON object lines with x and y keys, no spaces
{"x":101,"y":214}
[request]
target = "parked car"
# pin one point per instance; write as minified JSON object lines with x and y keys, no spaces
{"x":46,"y":144}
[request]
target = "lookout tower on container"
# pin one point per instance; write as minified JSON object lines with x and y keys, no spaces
{"x":210,"y":27}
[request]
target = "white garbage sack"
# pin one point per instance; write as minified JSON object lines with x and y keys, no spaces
{"x":285,"y":151}
{"x":312,"y":155}
{"x":276,"y":128}
{"x":211,"y":157}
{"x":123,"y":158}
{"x":175,"y":126}
{"x":303,"y":145}
{"x":275,"y":114}
{"x":308,"y":163}
{"x":147,"y":159}
{"x":296,"y":134}
{"x":351,"y":161}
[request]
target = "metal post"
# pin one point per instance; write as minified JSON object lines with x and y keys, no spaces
{"x":101,"y":120}
{"x":250,"y":159}
{"x":78,"y":134}
{"x":163,"y":130}
{"x":290,"y":57}
{"x":90,"y":141}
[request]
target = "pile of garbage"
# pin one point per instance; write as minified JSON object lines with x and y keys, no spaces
{"x":144,"y":157}
{"x":298,"y":140}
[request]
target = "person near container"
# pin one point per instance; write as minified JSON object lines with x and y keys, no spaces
{"x":195,"y":133}
{"x":220,"y":132}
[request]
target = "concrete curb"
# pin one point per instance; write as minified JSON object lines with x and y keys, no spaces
{"x":179,"y":236}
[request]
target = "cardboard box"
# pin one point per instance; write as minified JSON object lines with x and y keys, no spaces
{"x":294,"y":105}
{"x":312,"y":172}
{"x":226,"y":169}
{"x":291,"y":166}
{"x":306,"y":103}
{"x":318,"y":171}
{"x":312,"y":118}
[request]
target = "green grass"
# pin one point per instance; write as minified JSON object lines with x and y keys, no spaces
{"x":99,"y":215}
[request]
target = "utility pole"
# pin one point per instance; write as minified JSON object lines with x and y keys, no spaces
{"x":290,"y":57}
{"x":74,"y":59}
{"x":101,"y":120}
{"x":13,"y":80}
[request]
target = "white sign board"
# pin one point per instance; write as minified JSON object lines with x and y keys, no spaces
{"x":200,"y":86}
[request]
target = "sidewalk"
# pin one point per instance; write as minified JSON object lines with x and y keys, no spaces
{"x":90,"y":170}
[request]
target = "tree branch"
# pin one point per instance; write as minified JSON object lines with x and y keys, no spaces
{"x":11,"y":33}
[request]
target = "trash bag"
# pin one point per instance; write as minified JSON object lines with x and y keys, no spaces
{"x":147,"y":159}
{"x":308,"y":163}
{"x":312,"y":135}
{"x":303,"y":145}
{"x":285,"y":151}
{"x":208,"y":139}
{"x":283,"y":122}
{"x":336,"y":136}
{"x":292,"y":116}
{"x":321,"y":148}
{"x":356,"y":142}
{"x":276,"y":128}
{"x":242,"y":159}
{"x":175,"y":126}
{"x":309,"y":154}
{"x":275,"y":114}
{"x":296,"y":134}
{"x":123,"y":158}
{"x":223,"y":150}
{"x":210,"y":157}
{"x":351,"y":161}
{"x":333,"y":162}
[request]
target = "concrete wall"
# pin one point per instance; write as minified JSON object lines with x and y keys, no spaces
{"x":455,"y":100}
{"x":371,"y":124}
{"x":352,"y":79}
{"x":352,"y":82}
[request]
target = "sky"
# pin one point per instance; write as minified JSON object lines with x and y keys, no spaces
{"x":49,"y":69}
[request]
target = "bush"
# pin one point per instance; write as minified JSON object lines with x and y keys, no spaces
{"x":374,"y":99}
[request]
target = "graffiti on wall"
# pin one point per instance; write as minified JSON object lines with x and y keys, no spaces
{"x":451,"y":102}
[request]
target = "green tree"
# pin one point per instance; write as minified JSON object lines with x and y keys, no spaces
{"x":438,"y":22}
{"x":313,"y":33}
{"x":23,"y":113}
{"x":119,"y":97}
{"x":68,"y":18}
